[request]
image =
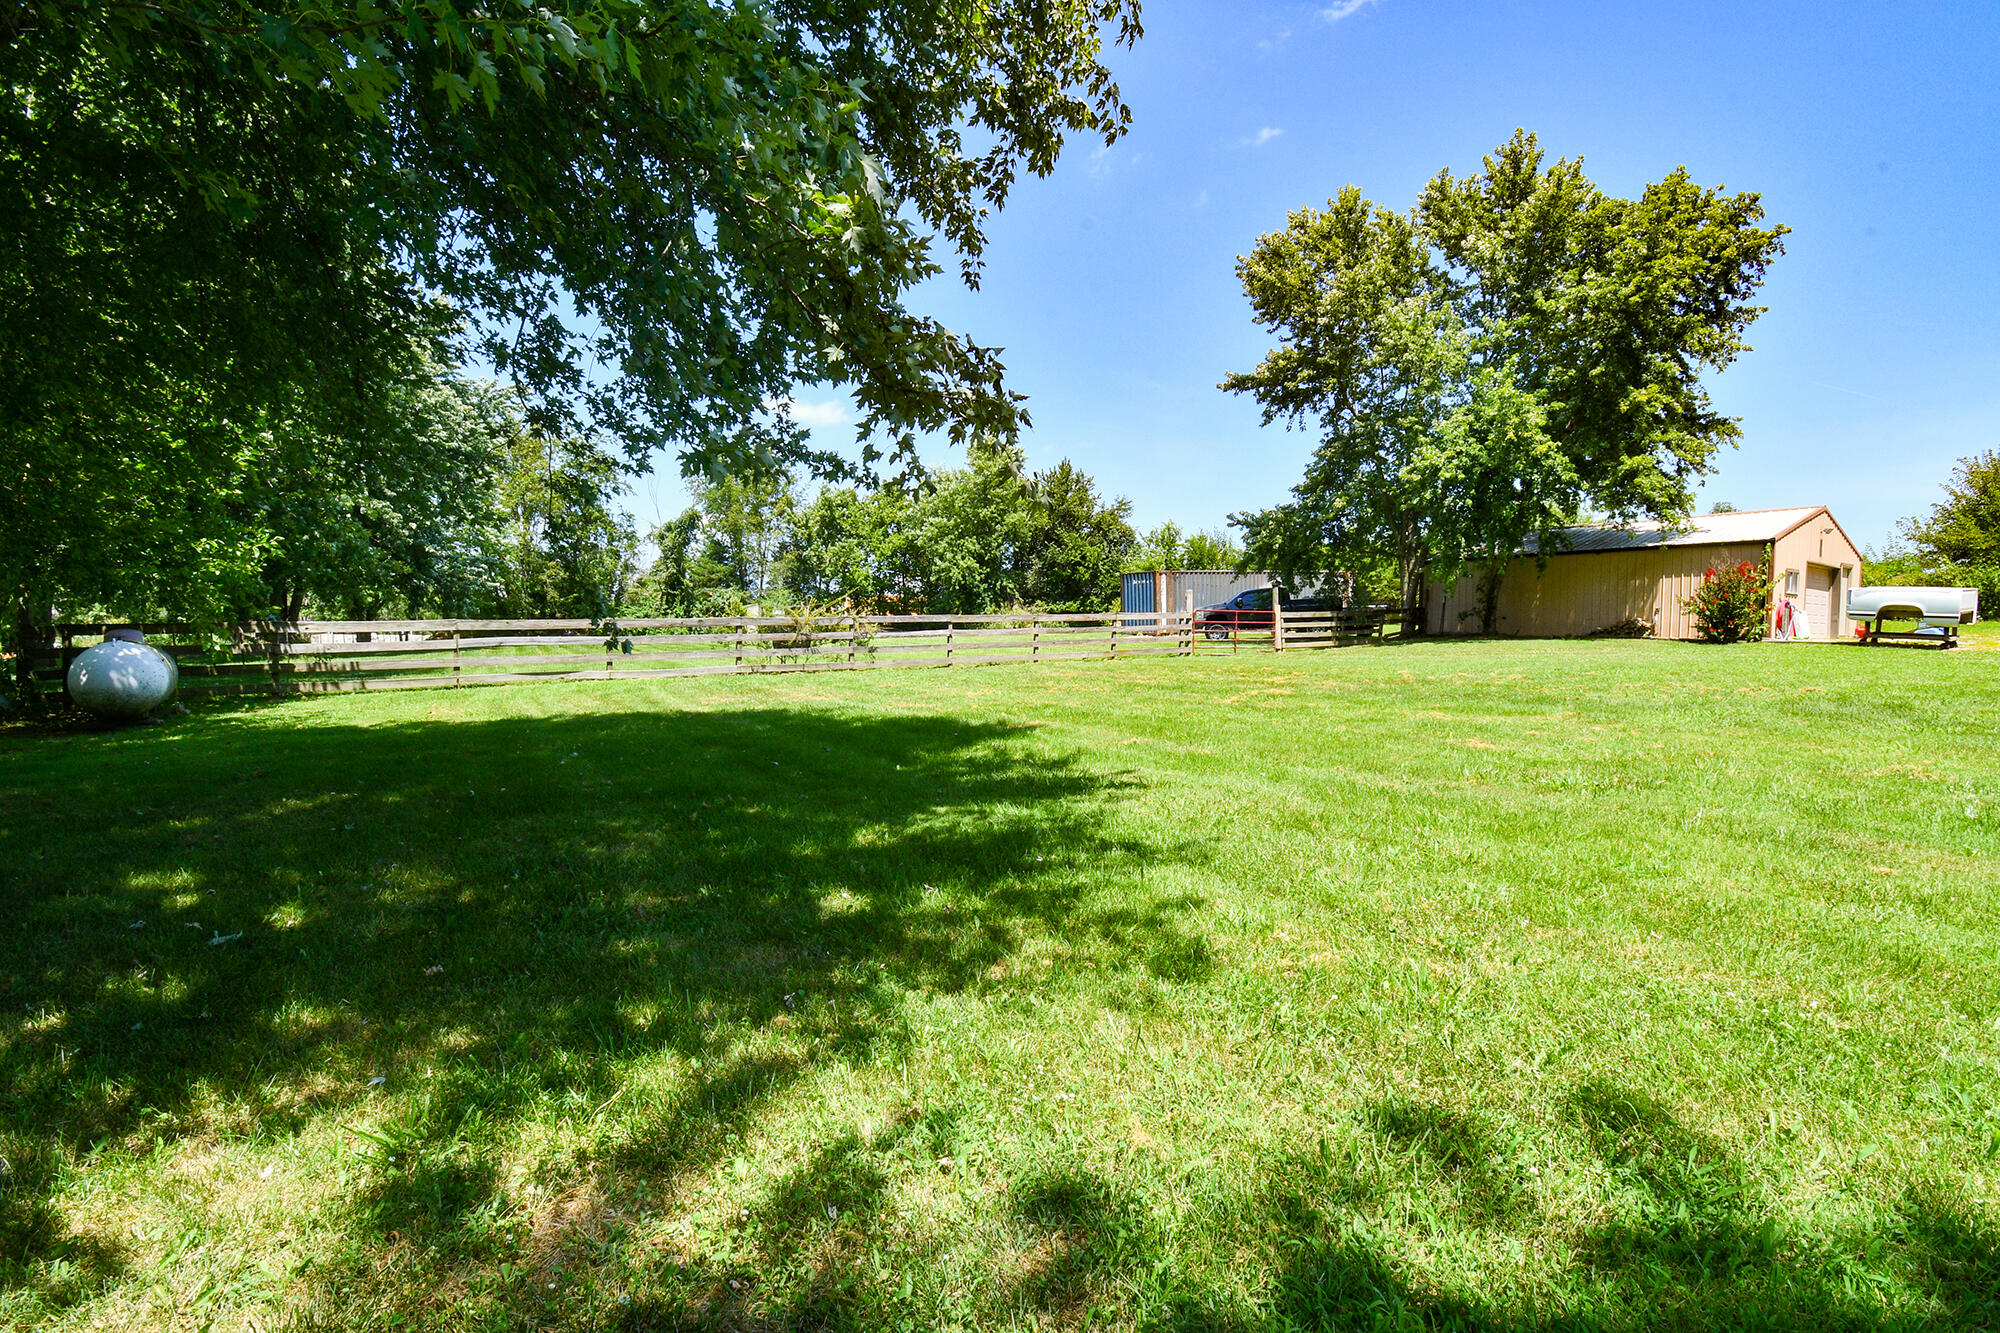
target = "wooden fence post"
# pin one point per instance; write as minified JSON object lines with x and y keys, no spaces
{"x":1187,"y":605}
{"x":271,"y":649}
{"x":455,"y":653}
{"x":947,"y":643}
{"x":1277,"y":619}
{"x":742,"y":625}
{"x":1034,"y":639}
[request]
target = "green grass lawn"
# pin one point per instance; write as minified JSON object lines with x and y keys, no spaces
{"x":1600,"y":985}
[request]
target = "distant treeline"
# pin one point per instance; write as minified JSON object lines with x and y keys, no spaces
{"x":452,"y":506}
{"x":984,"y":537}
{"x":1958,"y":543}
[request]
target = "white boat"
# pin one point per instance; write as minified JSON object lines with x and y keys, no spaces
{"x":1932,"y":606}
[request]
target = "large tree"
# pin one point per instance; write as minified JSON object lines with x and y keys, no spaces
{"x":1611,"y":310}
{"x":1959,"y":541}
{"x":1517,"y":346}
{"x":1077,"y":544}
{"x":382,"y":494}
{"x":989,"y":536}
{"x":658,"y":216}
{"x":744,"y":523}
{"x":1370,"y":352}
{"x":566,"y":549}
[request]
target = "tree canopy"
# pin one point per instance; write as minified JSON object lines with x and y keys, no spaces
{"x":1958,"y":542}
{"x":1166,"y":547}
{"x":985,"y":537}
{"x":654,"y":217}
{"x":1515,"y":347}
{"x":661,"y":213}
{"x":563,"y":549}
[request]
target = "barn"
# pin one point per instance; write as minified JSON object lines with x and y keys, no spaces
{"x":1605,"y":574}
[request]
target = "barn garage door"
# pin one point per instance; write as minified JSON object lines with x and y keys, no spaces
{"x":1819,"y":600}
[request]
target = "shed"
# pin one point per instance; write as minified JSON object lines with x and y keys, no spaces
{"x":1602,"y":574}
{"x":1165,"y":590}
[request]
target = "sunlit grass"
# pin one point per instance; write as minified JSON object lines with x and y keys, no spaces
{"x":1585,"y":985}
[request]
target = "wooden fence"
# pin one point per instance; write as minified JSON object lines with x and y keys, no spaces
{"x":326,"y":656}
{"x":323,"y":656}
{"x":1328,"y":629}
{"x":1290,"y":629}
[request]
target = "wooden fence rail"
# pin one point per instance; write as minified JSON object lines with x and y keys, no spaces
{"x":328,"y":656}
{"x":1321,"y":629}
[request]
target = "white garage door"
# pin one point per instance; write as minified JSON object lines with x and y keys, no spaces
{"x":1819,"y":600}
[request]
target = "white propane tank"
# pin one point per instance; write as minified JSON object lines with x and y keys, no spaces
{"x":122,"y":679}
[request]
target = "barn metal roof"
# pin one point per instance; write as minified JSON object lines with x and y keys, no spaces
{"x":1746,"y":525}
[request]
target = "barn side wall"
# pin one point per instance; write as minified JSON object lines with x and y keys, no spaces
{"x":1811,"y":545}
{"x":1582,"y":593}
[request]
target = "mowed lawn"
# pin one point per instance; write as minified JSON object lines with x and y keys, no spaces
{"x":1595,"y":985}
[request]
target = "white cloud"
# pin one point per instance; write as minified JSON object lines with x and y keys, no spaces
{"x":812,"y":416}
{"x":1104,"y":160}
{"x":1340,"y":9}
{"x":815,"y":415}
{"x":1263,"y":136}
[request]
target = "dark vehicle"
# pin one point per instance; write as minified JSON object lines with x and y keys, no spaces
{"x":1249,"y":611}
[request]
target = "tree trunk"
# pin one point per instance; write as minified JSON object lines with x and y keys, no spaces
{"x":30,"y":635}
{"x":1412,"y":573}
{"x":1489,"y":595}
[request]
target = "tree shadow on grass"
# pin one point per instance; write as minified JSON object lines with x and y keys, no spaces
{"x":227,"y":932}
{"x":1693,"y":1239}
{"x":1486,"y":1188}
{"x":1091,"y":1233}
{"x":41,"y":1260}
{"x":1689,"y":1245}
{"x":234,"y":928}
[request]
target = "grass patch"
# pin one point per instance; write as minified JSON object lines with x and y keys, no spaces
{"x":1593,"y":985}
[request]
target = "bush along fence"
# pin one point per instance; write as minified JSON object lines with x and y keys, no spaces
{"x":327,"y":656}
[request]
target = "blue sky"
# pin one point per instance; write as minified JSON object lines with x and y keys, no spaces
{"x":1872,"y":130}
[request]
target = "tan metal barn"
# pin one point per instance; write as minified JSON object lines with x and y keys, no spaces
{"x":1607,"y":574}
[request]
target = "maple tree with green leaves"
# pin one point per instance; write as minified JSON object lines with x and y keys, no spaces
{"x":654,"y":217}
{"x":1516,"y":348}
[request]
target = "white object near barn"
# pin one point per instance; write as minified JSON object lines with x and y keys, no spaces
{"x":121,"y":679}
{"x":1933,"y":606}
{"x":1938,"y":611}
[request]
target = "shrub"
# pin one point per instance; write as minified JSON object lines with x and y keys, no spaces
{"x":1732,"y":605}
